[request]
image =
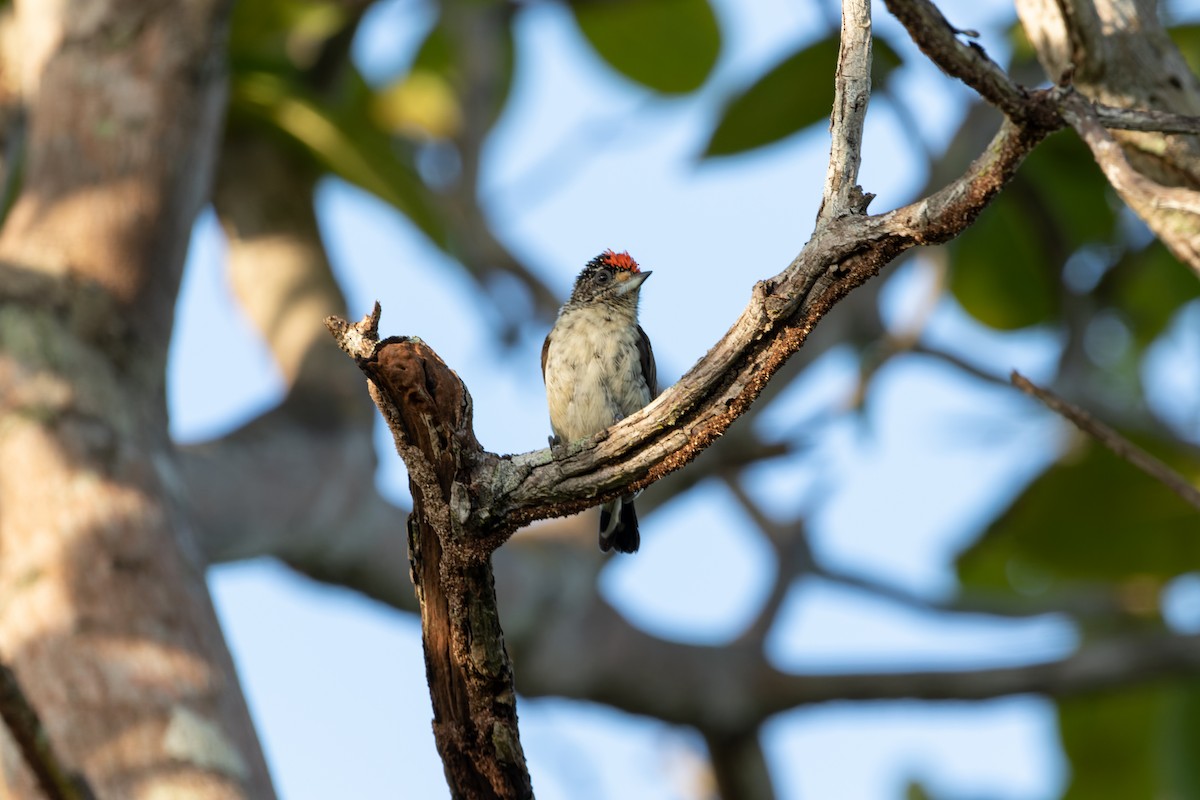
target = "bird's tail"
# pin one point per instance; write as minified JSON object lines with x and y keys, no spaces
{"x":619,"y":526}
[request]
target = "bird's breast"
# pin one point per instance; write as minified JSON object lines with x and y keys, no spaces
{"x":593,"y":373}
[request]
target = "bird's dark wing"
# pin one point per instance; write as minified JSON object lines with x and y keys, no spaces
{"x":646,"y":354}
{"x":545,"y":352}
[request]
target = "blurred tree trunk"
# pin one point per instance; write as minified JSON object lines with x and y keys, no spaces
{"x":1118,"y":53}
{"x":104,"y":613}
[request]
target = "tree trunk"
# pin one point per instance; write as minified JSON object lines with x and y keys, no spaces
{"x":104,"y":612}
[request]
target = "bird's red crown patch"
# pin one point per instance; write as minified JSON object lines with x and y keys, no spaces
{"x":620,"y":260}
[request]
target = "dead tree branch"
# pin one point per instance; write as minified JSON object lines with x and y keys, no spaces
{"x":429,"y":412}
{"x":852,"y":93}
{"x":1141,"y":119}
{"x":467,"y":501}
{"x":689,"y":416}
{"x":967,"y":61}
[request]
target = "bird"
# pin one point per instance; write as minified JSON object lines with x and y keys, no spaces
{"x":599,"y":368}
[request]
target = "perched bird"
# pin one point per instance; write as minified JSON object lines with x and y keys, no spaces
{"x":598,"y":368}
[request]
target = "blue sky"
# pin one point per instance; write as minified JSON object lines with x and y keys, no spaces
{"x":336,"y":683}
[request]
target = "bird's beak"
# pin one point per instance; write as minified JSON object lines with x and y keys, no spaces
{"x":630,"y":281}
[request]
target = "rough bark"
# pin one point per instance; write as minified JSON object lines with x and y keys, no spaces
{"x":852,"y":93}
{"x":105,"y":616}
{"x":492,"y":495}
{"x":688,"y":417}
{"x":1116,"y":53}
{"x":428,"y":410}
{"x":467,"y":502}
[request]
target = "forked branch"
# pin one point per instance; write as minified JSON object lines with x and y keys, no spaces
{"x":468,"y":501}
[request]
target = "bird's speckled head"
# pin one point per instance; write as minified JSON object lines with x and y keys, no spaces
{"x":610,"y":277}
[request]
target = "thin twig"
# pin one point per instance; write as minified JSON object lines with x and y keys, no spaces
{"x":1140,"y":119}
{"x":23,"y":722}
{"x":1106,"y":664}
{"x":793,"y":560}
{"x":1081,"y":603}
{"x":852,"y":92}
{"x":959,"y":362}
{"x":967,"y":61}
{"x":1112,"y":440}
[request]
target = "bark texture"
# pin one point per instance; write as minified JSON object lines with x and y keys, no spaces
{"x":466,"y":502}
{"x":1115,"y":52}
{"x":428,"y":410}
{"x":104,"y":613}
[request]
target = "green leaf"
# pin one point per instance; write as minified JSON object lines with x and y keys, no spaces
{"x":1149,"y":286}
{"x":283,"y":34}
{"x":1091,"y":517}
{"x":999,"y":272}
{"x":669,"y":46}
{"x":436,"y":53}
{"x":1133,"y":743}
{"x":1108,"y":741}
{"x":795,"y":93}
{"x":1072,"y":195}
{"x":1005,"y":269}
{"x":344,"y":142}
{"x":1187,"y":39}
{"x":438,"y":63}
{"x":1180,"y":728}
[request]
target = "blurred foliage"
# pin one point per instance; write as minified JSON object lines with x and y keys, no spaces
{"x":1005,"y":271}
{"x":1090,"y":517}
{"x":916,"y":791}
{"x":1187,"y":39}
{"x":1054,"y":250}
{"x":1137,"y":743}
{"x":283,"y":85}
{"x":1091,"y":734}
{"x":787,"y":98}
{"x":669,"y":46}
{"x":340,"y":139}
{"x":1147,"y":287}
{"x":283,"y":35}
{"x":1057,"y":249}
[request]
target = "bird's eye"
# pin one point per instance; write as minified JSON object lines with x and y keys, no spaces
{"x":603,"y":277}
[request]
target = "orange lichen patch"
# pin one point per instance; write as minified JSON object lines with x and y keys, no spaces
{"x":620,"y":260}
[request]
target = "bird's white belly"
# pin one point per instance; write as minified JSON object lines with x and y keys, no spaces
{"x":593,"y":377}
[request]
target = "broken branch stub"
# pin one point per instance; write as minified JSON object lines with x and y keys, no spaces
{"x":428,"y":409}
